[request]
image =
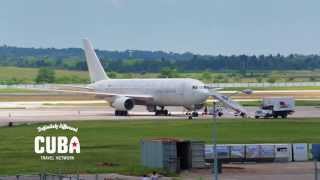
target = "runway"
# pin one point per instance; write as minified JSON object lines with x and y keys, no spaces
{"x":69,"y":113}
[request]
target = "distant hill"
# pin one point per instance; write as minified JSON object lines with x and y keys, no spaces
{"x":153,"y":61}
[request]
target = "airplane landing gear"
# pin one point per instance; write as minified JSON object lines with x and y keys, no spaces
{"x":192,"y":115}
{"x":161,"y":112}
{"x":121,"y":113}
{"x":195,"y":114}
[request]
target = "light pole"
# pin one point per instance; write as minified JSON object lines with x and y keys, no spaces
{"x":315,"y":169}
{"x":214,"y":140}
{"x":316,"y":158}
{"x":214,"y":134}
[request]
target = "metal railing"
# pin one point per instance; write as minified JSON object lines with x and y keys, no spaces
{"x":50,"y":176}
{"x":222,"y":85}
{"x":265,"y":84}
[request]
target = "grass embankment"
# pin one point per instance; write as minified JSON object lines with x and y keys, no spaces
{"x":118,"y":142}
{"x":16,"y":90}
{"x":28,"y":75}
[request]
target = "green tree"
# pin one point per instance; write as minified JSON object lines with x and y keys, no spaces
{"x":218,"y":78}
{"x":271,"y":80}
{"x":127,"y":75}
{"x":169,"y":73}
{"x":259,"y":79}
{"x":206,"y":76}
{"x":112,"y":74}
{"x":312,"y":79}
{"x":45,"y":75}
{"x":291,"y":79}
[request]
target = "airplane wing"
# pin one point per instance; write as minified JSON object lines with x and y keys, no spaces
{"x":73,"y":87}
{"x":91,"y":91}
{"x":228,"y":102}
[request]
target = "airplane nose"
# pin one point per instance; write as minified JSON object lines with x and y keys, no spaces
{"x":204,"y":93}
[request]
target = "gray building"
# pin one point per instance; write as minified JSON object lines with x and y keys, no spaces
{"x":172,"y":154}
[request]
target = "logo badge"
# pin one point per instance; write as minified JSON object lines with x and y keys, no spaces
{"x":60,"y":147}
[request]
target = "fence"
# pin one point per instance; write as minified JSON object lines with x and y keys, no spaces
{"x":218,"y":85}
{"x":279,"y":84}
{"x":48,"y":176}
{"x":40,"y":86}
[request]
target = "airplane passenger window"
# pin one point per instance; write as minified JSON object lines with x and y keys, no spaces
{"x":194,"y":87}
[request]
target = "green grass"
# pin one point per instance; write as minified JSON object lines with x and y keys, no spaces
{"x":117,"y":142}
{"x":16,"y":90}
{"x":27,"y":75}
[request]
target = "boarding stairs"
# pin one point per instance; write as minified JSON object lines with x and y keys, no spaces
{"x":230,"y":103}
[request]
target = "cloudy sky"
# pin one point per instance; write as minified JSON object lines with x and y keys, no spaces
{"x":199,"y":26}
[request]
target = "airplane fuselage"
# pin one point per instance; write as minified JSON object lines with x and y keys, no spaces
{"x":165,"y":92}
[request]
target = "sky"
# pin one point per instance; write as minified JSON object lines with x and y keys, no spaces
{"x":199,"y":26}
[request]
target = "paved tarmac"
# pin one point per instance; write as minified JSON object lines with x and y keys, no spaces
{"x":66,"y":113}
{"x":263,"y":171}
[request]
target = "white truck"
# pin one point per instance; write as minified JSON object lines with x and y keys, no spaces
{"x":276,"y":107}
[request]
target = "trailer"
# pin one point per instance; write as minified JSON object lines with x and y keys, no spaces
{"x":276,"y":107}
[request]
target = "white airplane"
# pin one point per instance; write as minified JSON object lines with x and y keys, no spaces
{"x":155,"y":94}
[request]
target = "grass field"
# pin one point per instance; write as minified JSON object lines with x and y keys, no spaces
{"x":27,"y":75}
{"x":16,"y":90}
{"x":117,"y":142}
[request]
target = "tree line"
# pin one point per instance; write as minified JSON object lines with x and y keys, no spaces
{"x":154,"y":61}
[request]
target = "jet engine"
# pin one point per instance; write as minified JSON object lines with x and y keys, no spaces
{"x":123,"y":103}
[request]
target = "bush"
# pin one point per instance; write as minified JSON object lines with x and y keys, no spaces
{"x":45,"y":75}
{"x":169,"y":73}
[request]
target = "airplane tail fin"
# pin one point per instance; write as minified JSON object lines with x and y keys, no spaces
{"x":95,"y":68}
